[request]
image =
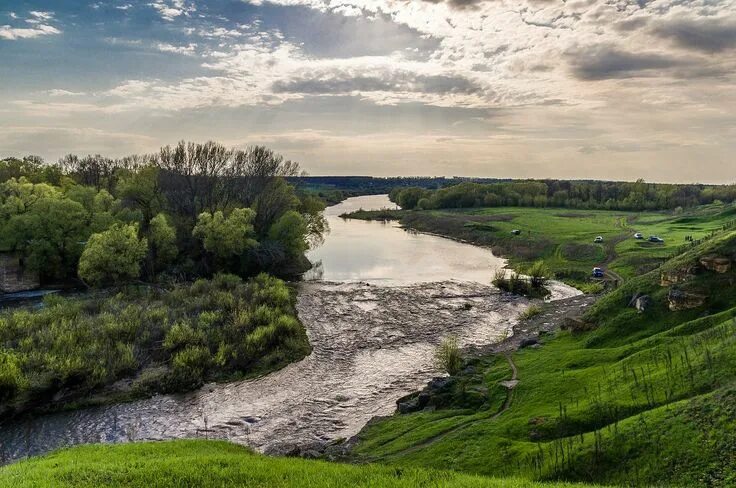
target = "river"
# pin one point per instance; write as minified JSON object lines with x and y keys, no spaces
{"x":384,"y":299}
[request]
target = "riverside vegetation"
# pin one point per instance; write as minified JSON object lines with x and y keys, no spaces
{"x":148,"y":233}
{"x":621,"y":395}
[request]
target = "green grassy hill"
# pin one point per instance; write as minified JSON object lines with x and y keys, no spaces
{"x":641,"y":398}
{"x":217,"y":464}
{"x":564,"y":237}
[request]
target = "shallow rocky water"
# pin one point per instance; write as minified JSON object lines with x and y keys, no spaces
{"x":372,"y":344}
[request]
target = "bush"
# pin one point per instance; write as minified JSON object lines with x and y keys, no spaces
{"x":538,"y":274}
{"x":113,"y":256}
{"x":448,"y":356}
{"x":530,"y":312}
{"x":174,"y":340}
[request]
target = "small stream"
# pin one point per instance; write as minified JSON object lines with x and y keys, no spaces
{"x":382,"y":301}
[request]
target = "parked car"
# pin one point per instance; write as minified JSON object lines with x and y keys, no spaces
{"x":598,"y":240}
{"x":655,"y":239}
{"x":598,"y":273}
{"x":638,"y":235}
{"x":516,"y":232}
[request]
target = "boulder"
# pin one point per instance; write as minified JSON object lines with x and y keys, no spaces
{"x":713,"y":262}
{"x":677,"y":276}
{"x":529,"y":341}
{"x":684,"y":300}
{"x":640,"y":302}
{"x":576,"y":324}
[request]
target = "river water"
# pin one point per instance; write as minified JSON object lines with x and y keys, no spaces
{"x":385,"y":299}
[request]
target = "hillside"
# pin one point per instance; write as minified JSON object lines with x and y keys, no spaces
{"x":216,"y":464}
{"x":622,"y":396}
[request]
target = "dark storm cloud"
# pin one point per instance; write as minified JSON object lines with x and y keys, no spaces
{"x":608,"y":62}
{"x":703,"y":34}
{"x":340,"y":83}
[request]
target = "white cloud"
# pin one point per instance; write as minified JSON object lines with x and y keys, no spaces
{"x":170,"y":10}
{"x":187,"y":50}
{"x":14,"y":33}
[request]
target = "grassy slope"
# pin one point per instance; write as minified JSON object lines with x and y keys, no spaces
{"x":564,"y":237}
{"x":644,"y":398}
{"x":217,"y":464}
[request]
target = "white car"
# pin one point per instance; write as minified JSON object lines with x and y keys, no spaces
{"x":638,"y":235}
{"x":598,"y":240}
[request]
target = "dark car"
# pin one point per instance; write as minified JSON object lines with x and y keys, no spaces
{"x":655,"y":239}
{"x":598,"y":273}
{"x":516,"y":232}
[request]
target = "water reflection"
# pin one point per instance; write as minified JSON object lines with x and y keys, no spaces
{"x":384,"y":253}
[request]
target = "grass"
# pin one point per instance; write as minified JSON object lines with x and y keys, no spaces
{"x":217,"y":464}
{"x":563,"y":238}
{"x":643,"y":398}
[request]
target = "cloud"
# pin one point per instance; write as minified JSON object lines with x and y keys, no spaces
{"x":705,"y":34}
{"x":14,"y":33}
{"x":340,"y":82}
{"x":609,"y":62}
{"x":187,"y":50}
{"x":170,"y":10}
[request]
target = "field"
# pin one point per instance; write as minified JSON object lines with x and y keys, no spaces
{"x":563,"y":238}
{"x":217,"y":464}
{"x":642,"y":398}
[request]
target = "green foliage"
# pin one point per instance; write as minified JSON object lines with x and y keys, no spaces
{"x":448,"y":356}
{"x":162,"y":237}
{"x":600,"y":195}
{"x":214,"y":464}
{"x":643,"y":398}
{"x":290,"y":231}
{"x":164,"y":341}
{"x":113,"y":256}
{"x":538,"y":274}
{"x":531,"y":312}
{"x":229,"y":236}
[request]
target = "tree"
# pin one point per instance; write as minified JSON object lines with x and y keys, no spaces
{"x":50,"y":234}
{"x":290,"y":231}
{"x":229,"y":236}
{"x":162,"y":237}
{"x":113,"y":256}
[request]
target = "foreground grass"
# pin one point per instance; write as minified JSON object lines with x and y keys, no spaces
{"x":644,"y":398}
{"x":218,"y":464}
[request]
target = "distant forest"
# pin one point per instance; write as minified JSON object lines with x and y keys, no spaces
{"x":604,"y":195}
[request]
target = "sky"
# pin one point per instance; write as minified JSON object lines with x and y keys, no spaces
{"x":604,"y":89}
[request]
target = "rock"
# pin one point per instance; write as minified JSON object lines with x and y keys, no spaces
{"x":529,"y":341}
{"x":677,"y":276}
{"x":683,"y":300}
{"x":713,"y":262}
{"x":640,"y":302}
{"x":576,"y":324}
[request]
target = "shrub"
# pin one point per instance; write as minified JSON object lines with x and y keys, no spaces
{"x":538,"y":274}
{"x":530,"y":312}
{"x":448,"y":356}
{"x":113,"y":256}
{"x":190,"y":366}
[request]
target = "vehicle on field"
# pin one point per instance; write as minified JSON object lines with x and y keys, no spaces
{"x":598,"y":239}
{"x":655,"y":239}
{"x":639,"y":235}
{"x":598,"y":273}
{"x":516,"y":232}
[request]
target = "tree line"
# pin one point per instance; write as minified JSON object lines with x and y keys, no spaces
{"x":603,"y":195}
{"x":188,"y":211}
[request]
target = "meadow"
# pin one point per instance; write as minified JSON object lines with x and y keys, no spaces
{"x":563,"y":238}
{"x":215,"y":464}
{"x":639,"y":399}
